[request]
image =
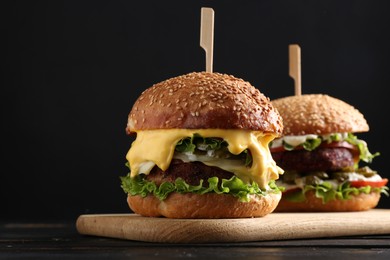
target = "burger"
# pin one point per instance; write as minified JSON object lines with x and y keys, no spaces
{"x":201,"y":149}
{"x":326,"y":165}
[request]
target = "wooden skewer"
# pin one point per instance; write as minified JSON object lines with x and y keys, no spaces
{"x":207,"y":35}
{"x":295,"y":67}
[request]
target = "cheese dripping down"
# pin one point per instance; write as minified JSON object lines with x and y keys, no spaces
{"x":157,"y":147}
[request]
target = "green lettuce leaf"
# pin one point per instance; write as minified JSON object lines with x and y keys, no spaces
{"x":233,"y":186}
{"x":365,"y":154}
{"x":197,"y":143}
{"x":326,"y":192}
{"x":312,"y":144}
{"x":309,"y":144}
{"x":189,"y":144}
{"x":185,"y":145}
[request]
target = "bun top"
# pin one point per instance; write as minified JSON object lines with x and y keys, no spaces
{"x":318,"y":114}
{"x":203,"y":100}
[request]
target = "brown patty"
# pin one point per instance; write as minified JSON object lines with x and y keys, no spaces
{"x":191,"y":172}
{"x":321,"y":159}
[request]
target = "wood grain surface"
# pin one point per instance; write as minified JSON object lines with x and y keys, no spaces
{"x":275,"y":226}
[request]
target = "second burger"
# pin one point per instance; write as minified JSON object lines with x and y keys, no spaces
{"x":322,"y":157}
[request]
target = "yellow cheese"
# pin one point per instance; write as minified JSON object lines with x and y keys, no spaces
{"x":158,"y":147}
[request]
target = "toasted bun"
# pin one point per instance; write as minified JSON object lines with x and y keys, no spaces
{"x":202,"y":100}
{"x":358,"y":202}
{"x":318,"y":114}
{"x":210,"y":205}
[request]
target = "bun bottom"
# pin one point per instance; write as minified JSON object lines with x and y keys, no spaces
{"x":210,"y":205}
{"x":360,"y":202}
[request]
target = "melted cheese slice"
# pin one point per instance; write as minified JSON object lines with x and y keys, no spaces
{"x":157,"y":147}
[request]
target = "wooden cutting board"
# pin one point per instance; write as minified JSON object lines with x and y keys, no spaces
{"x":275,"y":226}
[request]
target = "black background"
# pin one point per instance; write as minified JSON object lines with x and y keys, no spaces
{"x":71,"y":71}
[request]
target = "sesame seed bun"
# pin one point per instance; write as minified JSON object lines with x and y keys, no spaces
{"x":202,"y":100}
{"x":209,"y":205}
{"x":319,"y":114}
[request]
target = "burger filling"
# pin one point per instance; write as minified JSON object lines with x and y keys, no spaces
{"x":328,"y":165}
{"x":237,"y":163}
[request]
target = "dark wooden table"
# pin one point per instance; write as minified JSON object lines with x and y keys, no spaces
{"x":61,"y":241}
